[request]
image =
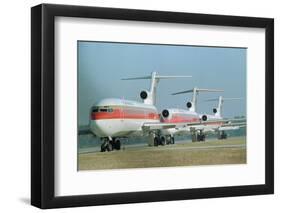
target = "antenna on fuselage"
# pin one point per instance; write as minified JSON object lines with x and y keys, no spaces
{"x":192,"y":106}
{"x":218,"y":111}
{"x":149,"y":97}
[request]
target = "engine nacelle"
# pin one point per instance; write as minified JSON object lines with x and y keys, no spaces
{"x":144,"y":94}
{"x":204,"y":118}
{"x":165,"y":113}
{"x":215,"y":110}
{"x":189,"y":105}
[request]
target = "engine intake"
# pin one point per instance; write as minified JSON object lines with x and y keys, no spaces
{"x":143,"y":95}
{"x":215,"y":110}
{"x":189,"y":105}
{"x":204,"y":117}
{"x":165,"y":113}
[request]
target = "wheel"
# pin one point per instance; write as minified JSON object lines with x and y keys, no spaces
{"x":163,"y":140}
{"x":194,"y":137}
{"x":223,"y":135}
{"x":156,"y":141}
{"x":117,"y":145}
{"x":203,"y":137}
{"x":172,"y":140}
{"x":103,"y":147}
{"x":109,"y":146}
{"x":168,"y":140}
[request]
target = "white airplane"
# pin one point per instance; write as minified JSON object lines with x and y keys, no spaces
{"x":218,"y":113}
{"x":190,"y":115}
{"x":209,"y":123}
{"x":112,"y":118}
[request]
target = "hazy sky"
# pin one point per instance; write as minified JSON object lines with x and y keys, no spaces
{"x":101,"y":65}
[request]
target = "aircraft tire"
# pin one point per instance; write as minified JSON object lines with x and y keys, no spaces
{"x":169,"y":139}
{"x":117,"y":144}
{"x":109,"y":146}
{"x":162,"y":140}
{"x":156,"y":141}
{"x":172,"y":140}
{"x":103,"y":147}
{"x":203,"y":137}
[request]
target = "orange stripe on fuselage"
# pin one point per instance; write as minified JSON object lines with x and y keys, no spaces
{"x":126,"y":113}
{"x":187,"y":119}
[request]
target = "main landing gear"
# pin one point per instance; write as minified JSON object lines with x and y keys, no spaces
{"x":198,"y":136}
{"x":110,"y":145}
{"x":222,"y":135}
{"x":163,"y":140}
{"x":170,"y":139}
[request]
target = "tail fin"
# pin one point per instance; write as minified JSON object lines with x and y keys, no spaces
{"x":149,"y":97}
{"x":220,"y":99}
{"x":193,"y":105}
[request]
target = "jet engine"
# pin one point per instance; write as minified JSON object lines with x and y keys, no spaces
{"x":189,"y":105}
{"x":204,"y":118}
{"x":144,"y":94}
{"x":165,"y":113}
{"x":215,"y":110}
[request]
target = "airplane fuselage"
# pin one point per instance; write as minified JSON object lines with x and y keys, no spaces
{"x":186,"y":116}
{"x":174,"y":115}
{"x":121,"y":118}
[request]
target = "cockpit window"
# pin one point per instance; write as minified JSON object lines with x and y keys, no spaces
{"x":98,"y":109}
{"x":95,"y":109}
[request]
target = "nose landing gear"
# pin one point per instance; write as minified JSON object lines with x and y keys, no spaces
{"x":110,"y":144}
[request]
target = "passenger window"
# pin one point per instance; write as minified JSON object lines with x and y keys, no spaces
{"x":103,"y":110}
{"x":110,"y":110}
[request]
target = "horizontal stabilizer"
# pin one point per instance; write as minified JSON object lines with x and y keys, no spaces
{"x":225,"y":99}
{"x":197,"y":90}
{"x":158,"y":77}
{"x":172,"y":76}
{"x":137,"y":78}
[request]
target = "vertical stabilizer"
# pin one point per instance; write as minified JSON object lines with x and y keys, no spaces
{"x":192,"y":106}
{"x":218,"y":111}
{"x":149,"y":97}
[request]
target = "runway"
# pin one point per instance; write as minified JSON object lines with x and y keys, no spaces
{"x":230,"y":151}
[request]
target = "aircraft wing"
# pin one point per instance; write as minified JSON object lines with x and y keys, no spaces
{"x":85,"y":130}
{"x":157,"y":126}
{"x":197,"y":125}
{"x":235,"y":124}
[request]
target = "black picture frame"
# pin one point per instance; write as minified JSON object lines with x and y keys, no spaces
{"x":43,"y":102}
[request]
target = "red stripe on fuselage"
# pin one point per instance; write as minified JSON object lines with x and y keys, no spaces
{"x":123,"y":113}
{"x":187,"y":119}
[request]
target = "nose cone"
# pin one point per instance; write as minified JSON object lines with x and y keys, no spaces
{"x":99,"y":128}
